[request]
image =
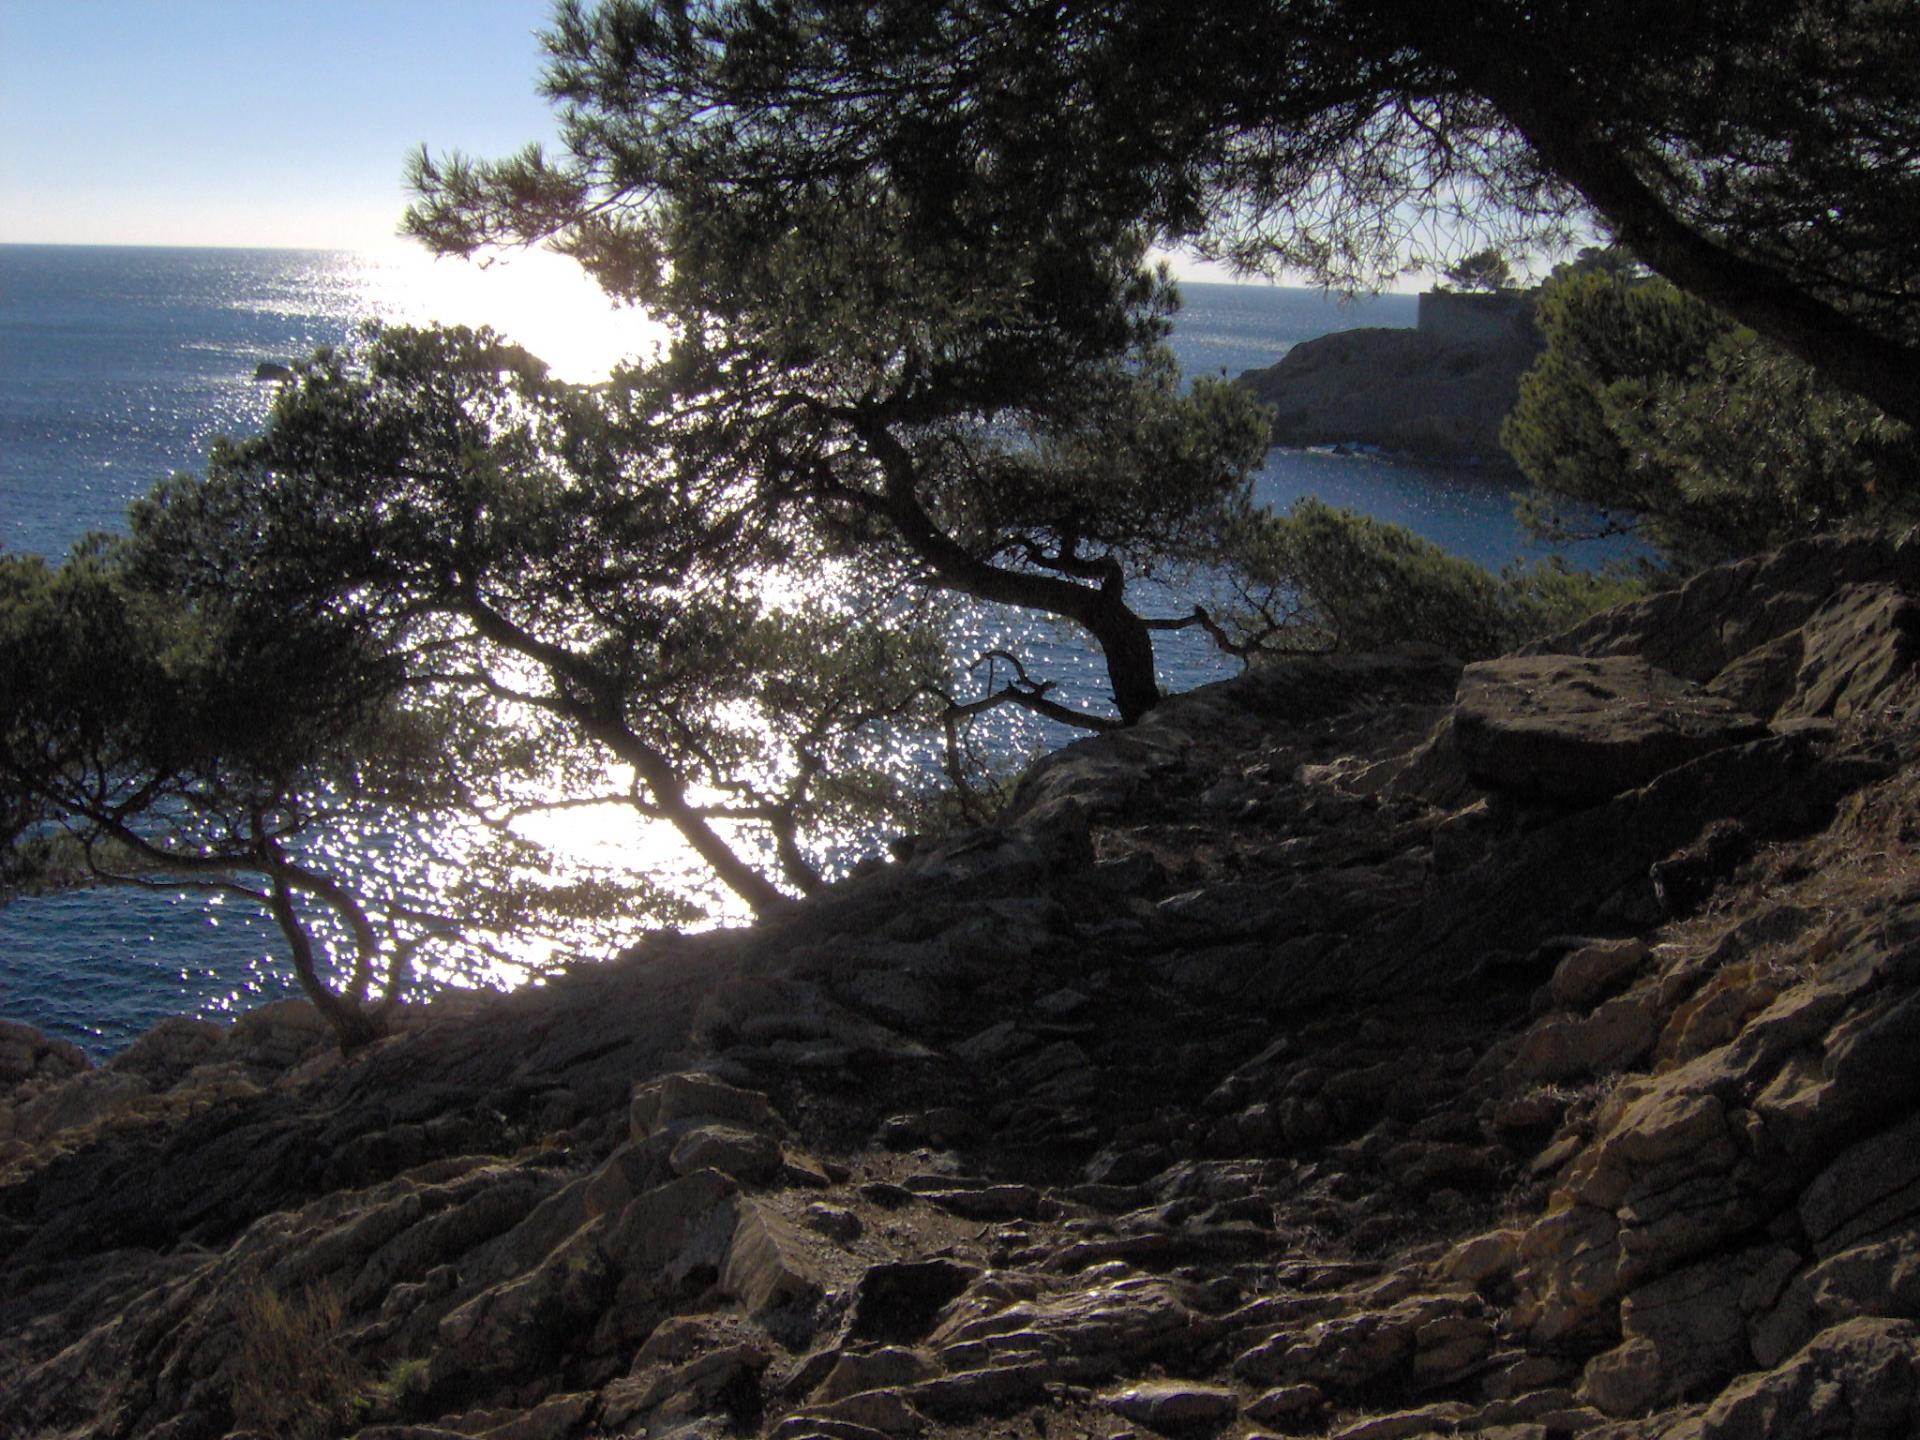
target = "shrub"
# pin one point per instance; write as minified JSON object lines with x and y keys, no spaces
{"x":292,"y":1377}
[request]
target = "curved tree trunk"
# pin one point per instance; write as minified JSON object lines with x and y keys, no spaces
{"x":670,"y":796}
{"x":1834,"y":343}
{"x":351,"y":1024}
{"x":600,"y":719}
{"x":1125,"y":640}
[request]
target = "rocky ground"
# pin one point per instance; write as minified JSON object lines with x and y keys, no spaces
{"x":1359,"y":1048}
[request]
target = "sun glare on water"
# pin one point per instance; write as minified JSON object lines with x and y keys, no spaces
{"x":540,"y":300}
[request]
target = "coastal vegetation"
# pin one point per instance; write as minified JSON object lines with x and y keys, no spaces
{"x":915,"y":354}
{"x":1689,"y":430}
{"x":1757,"y":153}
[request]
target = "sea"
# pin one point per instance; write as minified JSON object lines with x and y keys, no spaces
{"x":119,"y":365}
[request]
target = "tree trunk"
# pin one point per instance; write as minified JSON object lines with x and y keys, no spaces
{"x":352,"y":1025}
{"x":1123,"y":637}
{"x":1127,"y":643}
{"x":670,"y":795}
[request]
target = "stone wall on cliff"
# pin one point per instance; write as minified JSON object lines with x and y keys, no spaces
{"x":1365,"y":1047}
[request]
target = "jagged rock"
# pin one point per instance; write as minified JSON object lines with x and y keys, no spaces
{"x":1878,"y":1278}
{"x":280,"y":1035}
{"x":743,"y":1154}
{"x":834,"y":1221}
{"x":770,"y":1261}
{"x":1284,"y":1403}
{"x":1577,"y":730}
{"x":675,"y":1099}
{"x":26,"y":1054}
{"x":164,"y":1054}
{"x":1127,"y":1318}
{"x":677,"y":1230}
{"x":515,"y":1328}
{"x":1872,"y":1186}
{"x":1588,"y":973}
{"x":861,"y":1370}
{"x":1856,"y":654}
{"x":86,"y":1098}
{"x":1613,"y":1037}
{"x":1482,"y":1257}
{"x":881,"y":1412}
{"x":1683,"y":1329}
{"x":1859,"y":1380}
{"x":1733,"y":610}
{"x":1426,"y":1421}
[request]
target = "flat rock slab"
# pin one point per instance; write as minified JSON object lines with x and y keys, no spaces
{"x":1577,"y":730}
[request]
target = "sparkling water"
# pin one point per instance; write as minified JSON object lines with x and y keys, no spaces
{"x":117,"y":366}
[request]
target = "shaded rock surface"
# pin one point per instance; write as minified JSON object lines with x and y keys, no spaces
{"x":1279,"y":1066}
{"x":1408,"y":391}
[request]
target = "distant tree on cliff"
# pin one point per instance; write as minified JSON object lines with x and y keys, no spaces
{"x":1758,"y":153}
{"x":1483,"y":272}
{"x":1690,"y":430}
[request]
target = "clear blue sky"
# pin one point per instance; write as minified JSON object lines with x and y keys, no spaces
{"x":249,"y":122}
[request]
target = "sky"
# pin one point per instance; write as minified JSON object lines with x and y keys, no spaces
{"x":249,"y":122}
{"x":282,"y":123}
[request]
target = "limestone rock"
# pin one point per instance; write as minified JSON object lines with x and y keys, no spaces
{"x":1577,"y":730}
{"x":886,"y":1366}
{"x":1588,"y":973}
{"x":769,"y":1261}
{"x":1173,"y":1404}
{"x":680,"y":1228}
{"x":743,"y":1154}
{"x":1856,"y":1381}
{"x":674,"y":1099}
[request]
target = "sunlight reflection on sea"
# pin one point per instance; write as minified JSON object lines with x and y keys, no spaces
{"x":117,"y":367}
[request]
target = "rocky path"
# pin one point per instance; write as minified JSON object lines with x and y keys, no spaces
{"x":1358,"y":1049}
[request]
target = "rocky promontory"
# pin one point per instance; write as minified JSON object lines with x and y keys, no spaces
{"x":1437,"y":392}
{"x":1363,"y":1048}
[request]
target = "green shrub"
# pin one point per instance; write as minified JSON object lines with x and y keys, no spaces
{"x":1690,"y":430}
{"x":1328,"y":580}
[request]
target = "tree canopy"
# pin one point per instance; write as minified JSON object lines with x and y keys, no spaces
{"x":995,"y":413}
{"x":1763,"y":154}
{"x":440,"y":595}
{"x":1690,"y":430}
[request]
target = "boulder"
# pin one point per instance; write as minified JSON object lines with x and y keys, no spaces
{"x":1578,"y":731}
{"x":1856,"y":1381}
{"x":671,"y":1100}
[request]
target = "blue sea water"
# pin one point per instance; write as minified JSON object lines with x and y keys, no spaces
{"x":117,"y":366}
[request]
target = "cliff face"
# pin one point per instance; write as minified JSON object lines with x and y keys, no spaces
{"x":1359,"y":1048}
{"x":1438,"y":392}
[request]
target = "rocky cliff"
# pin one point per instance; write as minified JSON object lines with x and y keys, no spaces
{"x":1437,"y":393}
{"x":1359,"y":1048}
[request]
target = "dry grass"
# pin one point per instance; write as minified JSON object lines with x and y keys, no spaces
{"x":292,"y":1377}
